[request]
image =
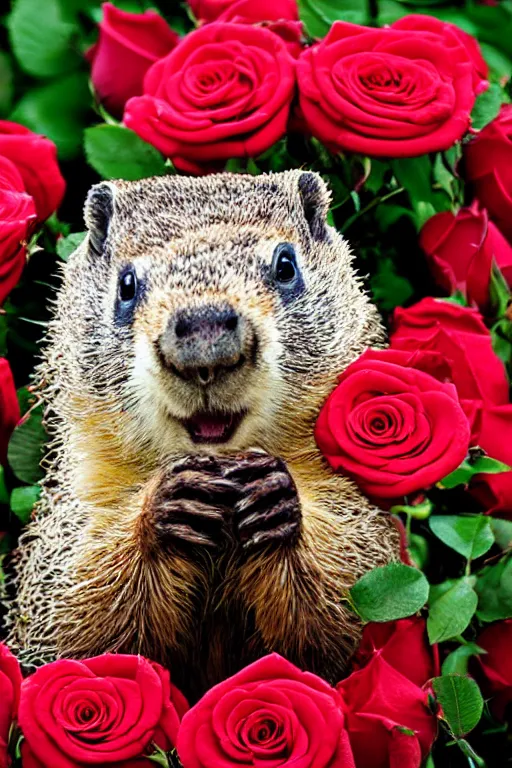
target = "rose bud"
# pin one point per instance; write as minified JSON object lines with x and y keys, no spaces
{"x":391,"y":426}
{"x":128,"y":44}
{"x":489,"y":169}
{"x":460,"y":250}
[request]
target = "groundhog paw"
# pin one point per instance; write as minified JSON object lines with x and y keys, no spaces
{"x":192,"y":504}
{"x":268,"y":509}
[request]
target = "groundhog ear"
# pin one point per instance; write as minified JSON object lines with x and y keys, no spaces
{"x":315,"y":198}
{"x":98,"y":211}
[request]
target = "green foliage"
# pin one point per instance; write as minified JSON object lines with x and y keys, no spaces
{"x":494,"y":589}
{"x":4,"y":492}
{"x":461,"y":702}
{"x":450,"y":612}
{"x":319,"y":15}
{"x":23,"y":500}
{"x":116,"y":152}
{"x":57,"y":110}
{"x":481,"y":464}
{"x":390,"y":592}
{"x":456,"y":663}
{"x":67,"y":245}
{"x":43,"y":38}
{"x":26,"y":447}
{"x":486,"y":107}
{"x":469,"y":535}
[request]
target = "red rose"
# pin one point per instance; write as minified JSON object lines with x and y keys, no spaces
{"x":404,"y":645}
{"x":460,"y":250}
{"x":386,"y":92}
{"x":495,"y":666}
{"x":387,"y":716}
{"x":35,"y":157}
{"x":9,"y":408}
{"x":224,"y":92}
{"x":128,"y":44}
{"x":489,"y":168}
{"x":269,"y":713}
{"x":17,"y":218}
{"x":103,"y":711}
{"x":419,"y":22}
{"x":229,"y":10}
{"x":460,"y":336}
{"x":10,"y":682}
{"x":392,"y":427}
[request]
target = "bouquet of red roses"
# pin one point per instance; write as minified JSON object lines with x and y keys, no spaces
{"x":405,"y":109}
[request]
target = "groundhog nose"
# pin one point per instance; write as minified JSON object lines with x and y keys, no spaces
{"x":201,"y":343}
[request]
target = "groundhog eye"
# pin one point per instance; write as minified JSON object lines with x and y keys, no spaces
{"x":284,"y":264}
{"x":128,"y":285}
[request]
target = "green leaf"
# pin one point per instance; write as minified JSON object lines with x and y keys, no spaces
{"x":418,"y":511}
{"x":461,"y":702}
{"x":23,"y":501}
{"x":469,"y":535}
{"x":499,"y":291}
{"x":451,"y":613}
{"x":116,"y":152}
{"x":487,"y":106}
{"x":494,"y":589}
{"x":415,"y":174}
{"x":390,"y":592}
{"x":502,"y":530}
{"x":463,"y":474}
{"x":418,"y":550}
{"x":4,"y":493}
{"x":457,"y":661}
{"x":43,"y":38}
{"x":26,"y":447}
{"x":68,"y":245}
{"x":57,"y":110}
{"x":6,"y":83}
{"x":389,"y":289}
{"x":319,"y":15}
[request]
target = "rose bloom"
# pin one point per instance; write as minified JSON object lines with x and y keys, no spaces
{"x":224,"y":92}
{"x":460,"y":336}
{"x":494,"y":668}
{"x":489,"y":168}
{"x":128,"y":44}
{"x":9,"y":408}
{"x":418,"y":22}
{"x":495,"y":437}
{"x":404,"y":645}
{"x":387,"y":717}
{"x":460,"y":250}
{"x":269,"y":713}
{"x":35,"y":157}
{"x":389,"y":92}
{"x":107,"y":710}
{"x":17,"y":219}
{"x":392,"y":427}
{"x":281,"y":18}
{"x":233,"y":10}
{"x":10,"y":682}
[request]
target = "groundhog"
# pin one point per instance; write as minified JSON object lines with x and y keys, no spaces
{"x":187,"y":513}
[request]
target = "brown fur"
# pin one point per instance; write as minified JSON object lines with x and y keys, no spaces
{"x":89,"y":576}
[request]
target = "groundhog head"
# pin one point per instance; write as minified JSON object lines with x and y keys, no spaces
{"x":214,"y":313}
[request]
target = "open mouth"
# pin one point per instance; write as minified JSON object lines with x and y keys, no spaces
{"x":212,"y":427}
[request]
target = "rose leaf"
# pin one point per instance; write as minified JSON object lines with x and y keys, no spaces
{"x":451,"y":612}
{"x":67,"y":245}
{"x":494,"y":590}
{"x":457,"y":661}
{"x":116,"y":152}
{"x":26,"y":446}
{"x":461,"y":702}
{"x":487,"y":106}
{"x":22,"y":501}
{"x":469,"y":535}
{"x":390,"y":592}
